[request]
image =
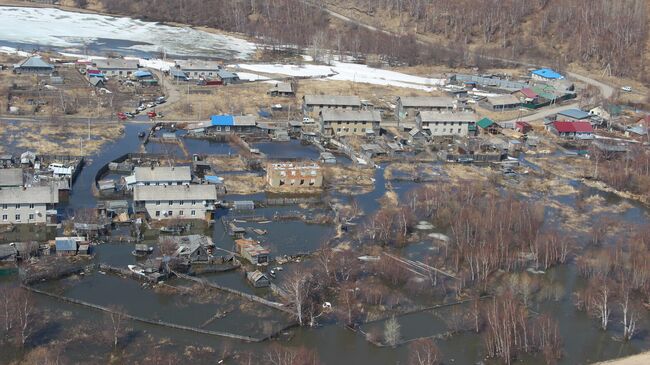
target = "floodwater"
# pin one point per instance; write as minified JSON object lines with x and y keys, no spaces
{"x":583,"y":342}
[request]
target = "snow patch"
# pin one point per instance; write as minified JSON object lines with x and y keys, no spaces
{"x":348,"y":72}
{"x":65,"y":29}
{"x":13,"y":51}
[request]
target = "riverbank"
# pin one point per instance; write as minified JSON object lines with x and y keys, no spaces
{"x":640,"y":359}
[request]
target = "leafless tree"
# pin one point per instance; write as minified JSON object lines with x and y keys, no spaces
{"x":392,"y":332}
{"x":424,"y":352}
{"x":115,"y":324}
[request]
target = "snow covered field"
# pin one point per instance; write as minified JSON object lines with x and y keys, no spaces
{"x":347,"y":72}
{"x":46,"y":27}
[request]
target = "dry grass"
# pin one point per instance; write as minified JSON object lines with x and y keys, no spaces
{"x":226,"y":163}
{"x":58,"y":138}
{"x":244,"y":184}
{"x":346,"y":177}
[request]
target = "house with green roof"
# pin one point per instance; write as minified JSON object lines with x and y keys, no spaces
{"x":487,"y":126}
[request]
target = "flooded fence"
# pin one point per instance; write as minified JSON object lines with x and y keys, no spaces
{"x":146,"y":320}
{"x":254,"y":298}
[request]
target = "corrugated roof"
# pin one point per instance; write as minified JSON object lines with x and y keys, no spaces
{"x":244,"y":120}
{"x":573,"y":127}
{"x":332,"y":100}
{"x":31,"y":195}
{"x":35,"y":62}
{"x":198,"y":65}
{"x":66,"y":244}
{"x":427,"y":102}
{"x":574,"y":114}
{"x":336,"y":115}
{"x":529,"y":93}
{"x":226,"y":74}
{"x":142,"y":73}
{"x":116,"y":64}
{"x":433,"y":116}
{"x":502,"y":100}
{"x":11,"y":177}
{"x":174,"y":192}
{"x":221,"y":120}
{"x":548,"y":73}
{"x":485,"y":123}
{"x":163,"y":173}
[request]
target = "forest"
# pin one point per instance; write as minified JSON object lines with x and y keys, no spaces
{"x":600,"y":35}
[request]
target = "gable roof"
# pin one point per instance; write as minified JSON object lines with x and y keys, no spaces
{"x":34,"y":62}
{"x":503,"y":100}
{"x":94,"y":81}
{"x":332,"y":100}
{"x":485,"y":123}
{"x":226,"y":74}
{"x":30,"y":195}
{"x":573,"y":127}
{"x":427,"y":102}
{"x":548,"y":73}
{"x":529,"y":93}
{"x":163,"y":173}
{"x":11,"y":177}
{"x":351,"y":115}
{"x":116,"y":64}
{"x":434,"y":116}
{"x":574,"y":114}
{"x":174,"y":192}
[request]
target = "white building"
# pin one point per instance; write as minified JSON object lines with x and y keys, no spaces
{"x":440,"y":124}
{"x":19,"y":205}
{"x":176,"y":201}
{"x":162,"y":175}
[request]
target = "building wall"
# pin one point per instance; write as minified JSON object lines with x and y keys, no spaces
{"x":439,"y":129}
{"x":28,"y":213}
{"x":124,"y":73}
{"x":157,"y":209}
{"x":348,"y":128}
{"x":298,"y":177}
{"x":316,"y":109}
{"x":161,"y":183}
{"x":413,"y":111}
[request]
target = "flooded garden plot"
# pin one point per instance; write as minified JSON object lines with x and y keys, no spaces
{"x":181,"y":304}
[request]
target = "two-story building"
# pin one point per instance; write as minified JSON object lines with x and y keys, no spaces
{"x":117,"y":66}
{"x":298,"y":175}
{"x":162,"y":175}
{"x":439,"y":124}
{"x":176,"y":201}
{"x":341,"y":123}
{"x":407,"y":107}
{"x":195,"y":69}
{"x":314,"y":104}
{"x":25,"y":205}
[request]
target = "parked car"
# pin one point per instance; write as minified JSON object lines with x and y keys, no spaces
{"x":129,"y":115}
{"x":141,"y":108}
{"x":160,"y":100}
{"x":121,"y":116}
{"x":151,"y":105}
{"x":627,"y":89}
{"x":151,"y":114}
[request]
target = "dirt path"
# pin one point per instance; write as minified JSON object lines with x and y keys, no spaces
{"x":172,"y":92}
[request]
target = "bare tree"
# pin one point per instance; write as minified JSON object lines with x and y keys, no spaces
{"x":424,"y":352}
{"x":115,"y":324}
{"x":392,"y":332}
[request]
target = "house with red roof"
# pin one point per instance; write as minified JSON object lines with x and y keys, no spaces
{"x":523,"y":127}
{"x":571,"y":129}
{"x":527,"y":94}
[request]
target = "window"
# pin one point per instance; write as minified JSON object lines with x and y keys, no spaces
{"x":193,"y":212}
{"x":158,"y":202}
{"x":171,"y":202}
{"x":181,"y":212}
{"x":31,"y":206}
{"x":17,"y":217}
{"x":193,"y":202}
{"x":302,"y":181}
{"x":31,"y":217}
{"x":458,"y":130}
{"x":17,"y":206}
{"x":170,"y":213}
{"x":312,"y":182}
{"x":4,"y":217}
{"x":181,"y":202}
{"x":157,"y":213}
{"x":4,"y":206}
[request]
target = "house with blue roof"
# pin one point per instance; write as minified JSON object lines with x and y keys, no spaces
{"x":240,"y":124}
{"x":34,"y":64}
{"x":546,"y":74}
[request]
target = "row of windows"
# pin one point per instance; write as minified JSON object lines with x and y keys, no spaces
{"x":17,"y":216}
{"x":348,"y":123}
{"x":171,"y":213}
{"x":444,"y":130}
{"x":180,"y":202}
{"x":294,"y":173}
{"x":18,"y":206}
{"x":445,"y":123}
{"x":353,"y":130}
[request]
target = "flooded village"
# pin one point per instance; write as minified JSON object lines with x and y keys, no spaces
{"x":233,"y":203}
